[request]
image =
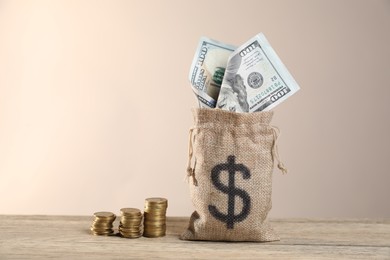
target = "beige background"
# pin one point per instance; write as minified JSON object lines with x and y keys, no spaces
{"x":95,"y":102}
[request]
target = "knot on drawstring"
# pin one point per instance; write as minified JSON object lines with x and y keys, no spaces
{"x":191,"y":173}
{"x":275,"y":152}
{"x":282,"y":168}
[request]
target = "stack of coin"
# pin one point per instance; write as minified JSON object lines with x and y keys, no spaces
{"x":154,"y":217}
{"x":131,"y":223}
{"x":102,"y":225}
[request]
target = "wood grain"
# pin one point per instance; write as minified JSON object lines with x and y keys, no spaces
{"x":68,"y":237}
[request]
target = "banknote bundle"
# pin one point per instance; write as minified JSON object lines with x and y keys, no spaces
{"x":245,"y":79}
{"x":207,"y":70}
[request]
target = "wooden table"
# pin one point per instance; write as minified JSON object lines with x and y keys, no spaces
{"x":68,"y":237}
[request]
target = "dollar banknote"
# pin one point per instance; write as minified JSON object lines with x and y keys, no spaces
{"x":207,"y":70}
{"x":255,"y":79}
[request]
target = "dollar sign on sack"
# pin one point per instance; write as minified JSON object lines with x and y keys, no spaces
{"x":231,"y":190}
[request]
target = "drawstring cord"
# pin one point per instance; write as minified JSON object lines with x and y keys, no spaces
{"x":275,"y":152}
{"x":191,"y":170}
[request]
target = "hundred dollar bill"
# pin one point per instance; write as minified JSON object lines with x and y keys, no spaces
{"x":255,"y":78}
{"x":207,"y":70}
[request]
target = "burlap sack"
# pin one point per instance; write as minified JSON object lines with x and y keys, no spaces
{"x":230,"y":175}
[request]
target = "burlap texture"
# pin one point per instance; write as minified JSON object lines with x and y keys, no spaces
{"x":231,"y":165}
